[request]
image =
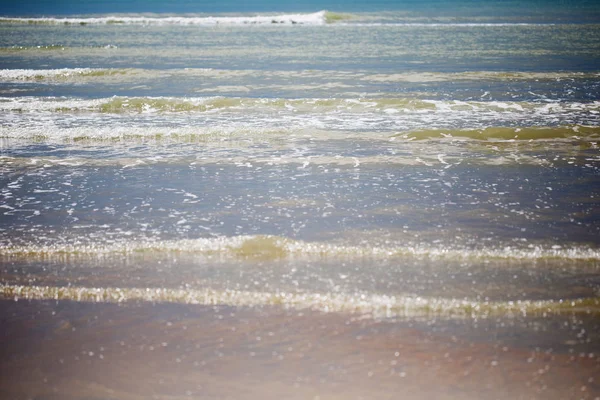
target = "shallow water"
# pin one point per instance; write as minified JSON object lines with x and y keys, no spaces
{"x":414,"y":181}
{"x":81,"y":350}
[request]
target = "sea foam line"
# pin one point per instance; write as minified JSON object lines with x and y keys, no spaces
{"x":451,"y":24}
{"x":40,"y":74}
{"x":377,"y":306}
{"x":275,"y":247}
{"x":409,"y":76}
{"x":317,"y":18}
{"x":140,"y":104}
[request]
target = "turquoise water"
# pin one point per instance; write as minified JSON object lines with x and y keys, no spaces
{"x":541,"y":10}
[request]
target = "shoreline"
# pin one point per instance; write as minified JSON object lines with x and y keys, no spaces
{"x":72,"y":350}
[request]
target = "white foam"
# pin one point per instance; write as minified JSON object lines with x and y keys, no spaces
{"x":46,"y":104}
{"x":446,"y":24}
{"x":32,"y":74}
{"x":378,"y":306}
{"x":61,"y":118}
{"x":311,"y":75}
{"x":317,"y":18}
{"x":294,"y":248}
{"x":298,"y":104}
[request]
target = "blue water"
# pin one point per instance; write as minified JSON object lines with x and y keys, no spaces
{"x":542,"y":10}
{"x":464,"y":128}
{"x":402,"y":161}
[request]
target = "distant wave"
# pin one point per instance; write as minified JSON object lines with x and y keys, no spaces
{"x":378,"y":306}
{"x":452,"y":24}
{"x":214,"y":118}
{"x":431,"y":159}
{"x":48,"y":48}
{"x":317,"y":18}
{"x":526,"y":136}
{"x":78,"y":74}
{"x":124,"y":104}
{"x":400,"y":118}
{"x":273,"y":247}
{"x":508,"y":133}
{"x":56,"y":74}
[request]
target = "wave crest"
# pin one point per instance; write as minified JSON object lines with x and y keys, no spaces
{"x":272,"y":247}
{"x":374,"y":305}
{"x":388,"y":106}
{"x":317,"y":18}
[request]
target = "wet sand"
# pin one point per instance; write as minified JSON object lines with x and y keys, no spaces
{"x":77,"y":350}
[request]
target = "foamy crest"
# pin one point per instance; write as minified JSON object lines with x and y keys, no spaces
{"x":393,"y":119}
{"x":278,"y":247}
{"x":387,"y":106}
{"x":43,"y":74}
{"x":317,"y":18}
{"x":378,"y":306}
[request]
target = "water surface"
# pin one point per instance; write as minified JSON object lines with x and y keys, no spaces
{"x":369,"y":183}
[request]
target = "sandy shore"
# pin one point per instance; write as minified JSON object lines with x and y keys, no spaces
{"x":71,"y":350}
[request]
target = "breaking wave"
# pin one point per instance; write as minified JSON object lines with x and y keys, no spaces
{"x":508,"y":133}
{"x":317,"y":18}
{"x":378,"y":306}
{"x":273,"y":247}
{"x":389,"y":106}
{"x":60,"y":74}
{"x":43,"y":48}
{"x":67,"y":74}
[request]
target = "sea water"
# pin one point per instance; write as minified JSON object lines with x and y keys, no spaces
{"x":403,"y":162}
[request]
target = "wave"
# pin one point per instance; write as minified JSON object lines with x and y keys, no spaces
{"x":48,"y":48}
{"x":508,"y":133}
{"x":378,"y":306}
{"x":454,"y":24}
{"x":158,"y":134}
{"x":322,"y":17}
{"x":116,"y":105}
{"x":432,"y":158}
{"x":61,"y":74}
{"x":509,"y":76}
{"x":210,"y":119}
{"x":273,"y":247}
{"x":317,"y":18}
{"x":389,"y":106}
{"x":77,"y":74}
